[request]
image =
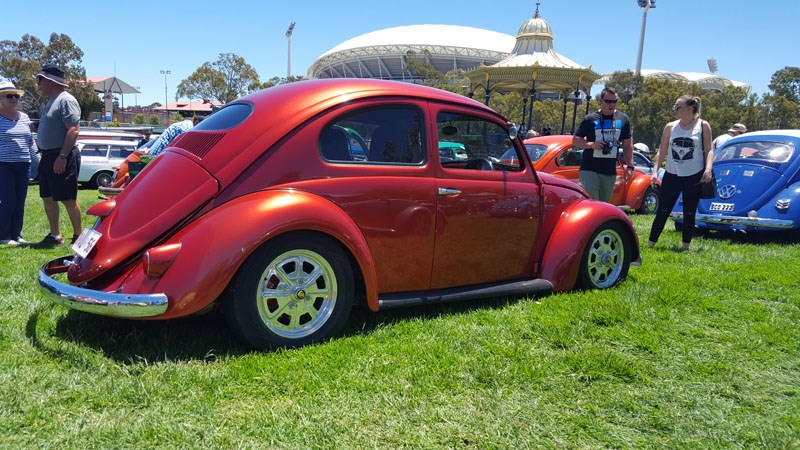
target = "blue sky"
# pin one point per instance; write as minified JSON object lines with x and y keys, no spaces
{"x":135,"y":40}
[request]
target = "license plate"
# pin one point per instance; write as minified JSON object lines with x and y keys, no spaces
{"x":721,"y":207}
{"x":86,"y":242}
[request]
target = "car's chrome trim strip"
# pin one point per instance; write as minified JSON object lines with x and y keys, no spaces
{"x":508,"y":289}
{"x":719,"y":219}
{"x":97,"y":302}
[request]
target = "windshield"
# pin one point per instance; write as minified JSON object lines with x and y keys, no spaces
{"x":535,"y":151}
{"x":776,"y":152}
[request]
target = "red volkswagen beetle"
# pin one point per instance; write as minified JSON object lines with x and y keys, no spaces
{"x":557,"y":155}
{"x":273,"y":209}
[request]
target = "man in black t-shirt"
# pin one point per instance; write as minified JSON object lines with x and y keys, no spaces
{"x":601,"y":134}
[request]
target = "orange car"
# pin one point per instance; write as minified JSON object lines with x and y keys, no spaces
{"x":556,"y":155}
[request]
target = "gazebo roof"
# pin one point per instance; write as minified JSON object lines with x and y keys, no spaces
{"x":534,"y":58}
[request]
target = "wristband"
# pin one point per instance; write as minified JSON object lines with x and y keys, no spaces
{"x":62,"y":156}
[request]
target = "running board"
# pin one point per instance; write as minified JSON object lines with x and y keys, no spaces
{"x":511,"y":289}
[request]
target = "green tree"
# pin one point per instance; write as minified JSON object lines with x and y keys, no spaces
{"x":19,"y":61}
{"x":138,"y":119}
{"x":154,"y":120}
{"x":786,"y":82}
{"x":224,"y":80}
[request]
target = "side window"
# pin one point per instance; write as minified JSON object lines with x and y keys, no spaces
{"x":93,"y":150}
{"x":121,"y":152}
{"x":473,"y":143}
{"x":390,"y":135}
{"x":571,"y":158}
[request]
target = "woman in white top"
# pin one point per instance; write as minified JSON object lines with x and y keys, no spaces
{"x":686,"y":146}
{"x":17,"y":147}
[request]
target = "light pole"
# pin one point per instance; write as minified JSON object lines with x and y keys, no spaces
{"x":166,"y":98}
{"x":645,"y":5}
{"x":289,"y":57}
{"x":136,"y":96}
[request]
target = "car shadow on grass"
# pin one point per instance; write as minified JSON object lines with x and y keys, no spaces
{"x":199,"y":337}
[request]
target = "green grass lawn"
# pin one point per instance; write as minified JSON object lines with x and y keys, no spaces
{"x":697,"y":349}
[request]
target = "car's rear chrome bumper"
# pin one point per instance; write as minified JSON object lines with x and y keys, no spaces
{"x":756,"y":222}
{"x":97,"y":302}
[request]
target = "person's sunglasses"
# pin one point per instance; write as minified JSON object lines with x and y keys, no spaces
{"x":676,"y":107}
{"x":10,"y":96}
{"x":610,"y":102}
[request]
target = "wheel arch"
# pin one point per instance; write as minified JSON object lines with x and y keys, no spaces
{"x":564,"y":249}
{"x":216,"y":245}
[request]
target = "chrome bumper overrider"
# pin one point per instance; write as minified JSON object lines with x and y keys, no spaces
{"x":719,"y":219}
{"x":97,"y":302}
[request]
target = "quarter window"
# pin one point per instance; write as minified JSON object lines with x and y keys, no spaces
{"x":381,"y":136}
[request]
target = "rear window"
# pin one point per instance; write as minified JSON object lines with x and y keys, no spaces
{"x":226,"y":118}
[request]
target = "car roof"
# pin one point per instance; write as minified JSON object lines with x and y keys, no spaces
{"x":762,"y":133}
{"x":105,"y":142}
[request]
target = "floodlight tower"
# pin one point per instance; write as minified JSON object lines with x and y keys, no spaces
{"x":645,"y":5}
{"x":289,"y":57}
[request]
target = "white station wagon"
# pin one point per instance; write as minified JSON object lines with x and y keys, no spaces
{"x":100,"y":158}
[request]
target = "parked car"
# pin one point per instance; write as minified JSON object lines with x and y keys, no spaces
{"x":559,"y":157}
{"x":109,"y":135}
{"x":452,"y":151}
{"x":100,"y":158}
{"x":758,"y":184}
{"x":263,"y":211}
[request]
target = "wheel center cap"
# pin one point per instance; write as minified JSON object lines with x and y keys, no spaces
{"x":300,"y":294}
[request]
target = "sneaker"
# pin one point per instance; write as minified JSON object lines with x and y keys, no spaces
{"x":8,"y":242}
{"x":22,"y":241}
{"x":51,"y":240}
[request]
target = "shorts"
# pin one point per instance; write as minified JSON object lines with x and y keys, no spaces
{"x":60,"y":187}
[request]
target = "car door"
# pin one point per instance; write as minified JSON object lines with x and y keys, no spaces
{"x":488,"y":213}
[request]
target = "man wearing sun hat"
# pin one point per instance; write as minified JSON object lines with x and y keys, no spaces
{"x":17,"y":148}
{"x":59,"y":125}
{"x":736,"y":129}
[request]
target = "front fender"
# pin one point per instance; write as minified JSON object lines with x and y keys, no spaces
{"x":215,"y":245}
{"x":564,"y":248}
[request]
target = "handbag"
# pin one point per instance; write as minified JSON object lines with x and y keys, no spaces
{"x":708,"y":190}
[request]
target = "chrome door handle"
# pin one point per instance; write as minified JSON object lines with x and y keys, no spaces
{"x":445,"y":191}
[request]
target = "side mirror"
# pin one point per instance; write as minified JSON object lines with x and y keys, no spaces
{"x":512,"y":131}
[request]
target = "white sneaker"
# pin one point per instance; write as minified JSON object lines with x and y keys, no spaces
{"x":8,"y":242}
{"x":21,"y":241}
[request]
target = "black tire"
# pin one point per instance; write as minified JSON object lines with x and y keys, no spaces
{"x":606,"y":258}
{"x":650,"y":202}
{"x":301,"y":310}
{"x":102,"y":179}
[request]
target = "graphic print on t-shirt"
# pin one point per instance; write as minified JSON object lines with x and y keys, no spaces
{"x":682,"y":148}
{"x":608,"y":131}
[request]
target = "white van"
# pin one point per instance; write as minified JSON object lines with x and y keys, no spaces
{"x":100,"y":158}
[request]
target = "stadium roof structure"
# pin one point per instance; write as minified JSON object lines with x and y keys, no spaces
{"x":382,"y":53}
{"x":707,"y":81}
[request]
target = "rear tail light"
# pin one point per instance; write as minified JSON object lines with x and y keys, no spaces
{"x":158,"y":259}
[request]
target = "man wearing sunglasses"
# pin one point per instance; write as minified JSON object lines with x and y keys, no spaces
{"x":601,"y":134}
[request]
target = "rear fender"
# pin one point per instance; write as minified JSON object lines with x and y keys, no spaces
{"x":637,"y":189}
{"x":564,"y":249}
{"x":214,"y":246}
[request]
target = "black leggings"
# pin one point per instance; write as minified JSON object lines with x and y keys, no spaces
{"x":672,"y":186}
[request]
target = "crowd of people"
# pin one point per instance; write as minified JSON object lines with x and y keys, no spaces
{"x":606,"y":136}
